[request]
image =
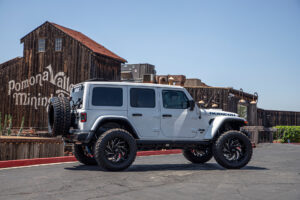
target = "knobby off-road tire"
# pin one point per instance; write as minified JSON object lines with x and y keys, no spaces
{"x":232,"y":150}
{"x":197,"y":156}
{"x":59,"y":116}
{"x":115,"y":150}
{"x":82,"y":156}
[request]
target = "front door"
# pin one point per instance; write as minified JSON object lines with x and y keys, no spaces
{"x":143,"y":111}
{"x":177,"y":120}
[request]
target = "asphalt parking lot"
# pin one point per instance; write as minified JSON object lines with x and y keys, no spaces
{"x":273,"y":173}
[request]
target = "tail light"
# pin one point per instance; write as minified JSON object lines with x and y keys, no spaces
{"x":83,"y":117}
{"x":246,"y":122}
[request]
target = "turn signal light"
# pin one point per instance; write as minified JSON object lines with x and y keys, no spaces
{"x":83,"y":117}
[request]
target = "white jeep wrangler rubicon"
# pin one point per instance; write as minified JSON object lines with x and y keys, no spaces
{"x":110,"y":121}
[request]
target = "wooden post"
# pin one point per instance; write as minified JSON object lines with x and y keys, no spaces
{"x":252,"y":115}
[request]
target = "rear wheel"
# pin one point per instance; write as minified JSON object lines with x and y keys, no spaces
{"x":232,"y":150}
{"x":199,"y":155}
{"x":115,"y":150}
{"x":84,"y":155}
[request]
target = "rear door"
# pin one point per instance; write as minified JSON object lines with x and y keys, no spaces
{"x":143,"y":111}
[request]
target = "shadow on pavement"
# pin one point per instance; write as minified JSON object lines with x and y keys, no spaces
{"x":165,"y":167}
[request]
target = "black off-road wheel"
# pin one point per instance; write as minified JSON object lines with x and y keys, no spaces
{"x":82,"y":154}
{"x":232,"y":150}
{"x":115,"y":150}
{"x":199,"y":155}
{"x":59,"y":116}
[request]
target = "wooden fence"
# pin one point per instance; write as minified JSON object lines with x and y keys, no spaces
{"x":270,"y":118}
{"x":14,"y":148}
{"x":260,"y":134}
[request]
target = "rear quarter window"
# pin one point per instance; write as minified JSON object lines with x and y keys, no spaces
{"x":107,"y":96}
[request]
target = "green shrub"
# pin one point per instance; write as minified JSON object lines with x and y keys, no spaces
{"x":286,"y":133}
{"x":21,"y":127}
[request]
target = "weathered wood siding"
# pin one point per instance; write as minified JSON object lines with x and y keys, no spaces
{"x":47,"y":74}
{"x":226,"y":99}
{"x":7,"y":104}
{"x":210,"y":96}
{"x":14,"y":148}
{"x":270,"y":118}
{"x":102,"y":67}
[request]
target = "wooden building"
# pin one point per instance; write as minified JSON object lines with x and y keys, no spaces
{"x":227,"y":99}
{"x":171,"y":79}
{"x":191,"y":82}
{"x":54,"y":58}
{"x":137,"y":72}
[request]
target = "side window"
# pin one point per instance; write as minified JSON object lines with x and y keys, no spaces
{"x":107,"y":96}
{"x":173,"y":99}
{"x":42,"y":45}
{"x":142,"y":98}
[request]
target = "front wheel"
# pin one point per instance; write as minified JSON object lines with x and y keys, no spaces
{"x":199,"y":155}
{"x":232,"y":150}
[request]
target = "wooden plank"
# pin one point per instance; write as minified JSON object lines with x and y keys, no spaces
{"x":31,"y":148}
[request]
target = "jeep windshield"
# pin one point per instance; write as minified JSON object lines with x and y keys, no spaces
{"x":76,"y":96}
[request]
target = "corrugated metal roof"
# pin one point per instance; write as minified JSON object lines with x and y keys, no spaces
{"x":88,"y":42}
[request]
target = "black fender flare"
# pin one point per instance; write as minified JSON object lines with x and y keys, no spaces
{"x":238,"y":122}
{"x":120,"y":120}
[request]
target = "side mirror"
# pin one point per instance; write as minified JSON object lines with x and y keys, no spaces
{"x":191,"y":104}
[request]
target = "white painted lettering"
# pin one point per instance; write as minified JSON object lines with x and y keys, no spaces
{"x":11,"y":86}
{"x":60,"y":80}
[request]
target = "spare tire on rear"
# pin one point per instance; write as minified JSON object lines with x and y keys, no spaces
{"x":59,"y":116}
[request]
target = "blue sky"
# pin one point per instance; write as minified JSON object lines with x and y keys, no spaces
{"x":254,"y":45}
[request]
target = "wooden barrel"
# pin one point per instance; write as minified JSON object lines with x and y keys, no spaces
{"x":14,"y":148}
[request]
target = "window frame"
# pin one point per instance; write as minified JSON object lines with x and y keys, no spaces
{"x":141,"y":88}
{"x":39,"y":39}
{"x":162,"y":98}
{"x":60,"y":43}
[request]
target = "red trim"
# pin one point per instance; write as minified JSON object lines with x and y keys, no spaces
{"x":38,"y":161}
{"x":35,"y":161}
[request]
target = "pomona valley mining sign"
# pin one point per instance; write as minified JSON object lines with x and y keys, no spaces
{"x":36,"y":100}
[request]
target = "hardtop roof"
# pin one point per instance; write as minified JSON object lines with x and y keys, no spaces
{"x":116,"y":83}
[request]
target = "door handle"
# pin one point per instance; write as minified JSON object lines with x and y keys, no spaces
{"x":167,"y":115}
{"x":137,"y":114}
